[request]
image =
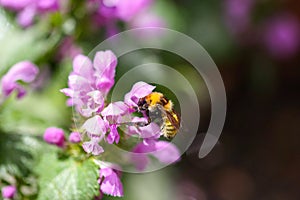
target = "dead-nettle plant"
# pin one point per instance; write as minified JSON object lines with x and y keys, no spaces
{"x":100,"y":123}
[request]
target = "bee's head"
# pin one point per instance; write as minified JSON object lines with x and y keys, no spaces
{"x":142,"y":105}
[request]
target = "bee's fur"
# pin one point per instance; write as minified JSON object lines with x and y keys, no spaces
{"x":158,"y":108}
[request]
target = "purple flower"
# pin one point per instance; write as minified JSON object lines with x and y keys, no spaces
{"x":151,"y":131}
{"x":26,"y":16}
{"x":128,"y":9}
{"x":110,"y":11}
{"x":139,"y":90}
{"x":93,"y":146}
{"x":23,"y":71}
{"x":114,"y":114}
{"x":54,"y":136}
{"x":105,"y":63}
{"x":90,"y":82}
{"x":48,"y":5}
{"x":15,"y":4}
{"x":28,"y":9}
{"x":75,"y":137}
{"x":96,"y":128}
{"x":9,"y":191}
{"x":282,"y":36}
{"x":124,"y":10}
{"x":147,"y":19}
{"x":118,"y":108}
{"x":110,"y":183}
{"x":94,"y":104}
{"x":238,"y":14}
{"x":113,"y":135}
{"x":165,"y":152}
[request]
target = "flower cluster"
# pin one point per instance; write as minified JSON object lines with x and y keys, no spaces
{"x":136,"y":14}
{"x":107,"y":13}
{"x":109,"y":179}
{"x":23,"y":71}
{"x":123,"y":10}
{"x":89,"y":83}
{"x":279,"y":34}
{"x":28,"y":9}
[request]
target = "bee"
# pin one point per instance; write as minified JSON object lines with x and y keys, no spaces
{"x":160,"y":110}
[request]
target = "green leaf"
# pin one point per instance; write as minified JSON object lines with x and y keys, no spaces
{"x":67,"y":179}
{"x":33,"y":114}
{"x":19,"y":154}
{"x":30,"y":44}
{"x":13,"y":158}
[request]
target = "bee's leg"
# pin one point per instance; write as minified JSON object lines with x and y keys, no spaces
{"x":162,"y":129}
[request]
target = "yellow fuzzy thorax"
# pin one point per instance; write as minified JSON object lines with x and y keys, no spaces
{"x":157,"y":98}
{"x":154,"y":98}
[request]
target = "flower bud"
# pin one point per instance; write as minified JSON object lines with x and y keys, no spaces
{"x":54,"y":136}
{"x":75,"y":137}
{"x":8,"y":191}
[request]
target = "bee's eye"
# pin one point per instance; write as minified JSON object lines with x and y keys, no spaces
{"x":140,"y":102}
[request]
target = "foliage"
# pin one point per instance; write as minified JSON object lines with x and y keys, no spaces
{"x":67,"y":179}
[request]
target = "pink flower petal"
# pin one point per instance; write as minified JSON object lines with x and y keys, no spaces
{"x":113,"y":135}
{"x":115,"y":109}
{"x":95,"y":125}
{"x":104,"y":83}
{"x":83,"y":66}
{"x":92,"y":147}
{"x":26,"y":16}
{"x":105,"y":63}
{"x":78,"y":82}
{"x":147,"y":19}
{"x":97,"y":99}
{"x":16,"y":4}
{"x":166,"y":152}
{"x":111,"y":184}
{"x":127,"y":9}
{"x":140,"y":155}
{"x":140,"y":161}
{"x":48,"y":5}
{"x":139,"y":90}
{"x":67,"y":91}
{"x":24,"y":71}
{"x":105,"y":172}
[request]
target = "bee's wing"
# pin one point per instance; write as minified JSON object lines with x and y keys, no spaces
{"x":174,"y":118}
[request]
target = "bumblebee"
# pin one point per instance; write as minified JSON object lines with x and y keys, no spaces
{"x":160,"y":110}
